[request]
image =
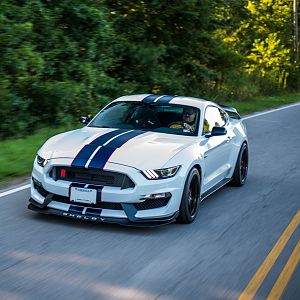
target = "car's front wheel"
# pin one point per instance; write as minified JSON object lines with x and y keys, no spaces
{"x":190,"y":198}
{"x":241,"y":169}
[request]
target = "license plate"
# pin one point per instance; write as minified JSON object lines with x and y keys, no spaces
{"x":83,"y":195}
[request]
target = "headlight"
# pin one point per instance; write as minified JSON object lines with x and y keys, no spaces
{"x":41,"y":161}
{"x":161,"y":173}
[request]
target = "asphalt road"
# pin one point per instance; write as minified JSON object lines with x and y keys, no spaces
{"x":48,"y":257}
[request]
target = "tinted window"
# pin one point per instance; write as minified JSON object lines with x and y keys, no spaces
{"x":213,"y":117}
{"x":166,"y":118}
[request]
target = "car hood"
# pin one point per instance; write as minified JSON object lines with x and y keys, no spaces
{"x":148,"y":150}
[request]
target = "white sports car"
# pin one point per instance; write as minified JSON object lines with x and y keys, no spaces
{"x":143,"y":160}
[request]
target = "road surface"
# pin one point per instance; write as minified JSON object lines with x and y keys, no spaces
{"x":243,"y":244}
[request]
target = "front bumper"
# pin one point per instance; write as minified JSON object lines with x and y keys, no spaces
{"x":127,"y":213}
{"x":131,"y":221}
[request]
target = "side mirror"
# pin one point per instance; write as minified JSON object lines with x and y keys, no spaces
{"x":216,"y":131}
{"x":84,"y":120}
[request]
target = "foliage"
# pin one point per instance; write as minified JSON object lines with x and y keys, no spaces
{"x":61,"y":59}
{"x":265,"y":39}
{"x":54,"y":61}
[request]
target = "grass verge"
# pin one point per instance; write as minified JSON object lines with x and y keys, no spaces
{"x":16,"y":156}
{"x":263,"y":103}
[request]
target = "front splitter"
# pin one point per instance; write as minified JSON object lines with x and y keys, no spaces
{"x":120,"y":221}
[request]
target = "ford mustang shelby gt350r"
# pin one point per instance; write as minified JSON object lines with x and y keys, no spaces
{"x":142,"y":160}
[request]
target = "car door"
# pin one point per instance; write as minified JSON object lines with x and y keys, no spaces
{"x":216,"y":149}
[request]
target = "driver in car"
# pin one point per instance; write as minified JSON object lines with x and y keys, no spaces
{"x":188,"y":120}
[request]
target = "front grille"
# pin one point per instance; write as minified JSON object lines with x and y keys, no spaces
{"x":151,"y":204}
{"x":92,"y":176}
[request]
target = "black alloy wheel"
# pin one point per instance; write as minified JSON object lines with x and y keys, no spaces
{"x":241,"y":169}
{"x":190,"y":198}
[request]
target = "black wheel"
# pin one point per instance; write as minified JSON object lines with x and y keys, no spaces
{"x":190,"y":198}
{"x":241,"y":168}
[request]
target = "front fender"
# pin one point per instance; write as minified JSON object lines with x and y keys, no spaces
{"x":188,"y":158}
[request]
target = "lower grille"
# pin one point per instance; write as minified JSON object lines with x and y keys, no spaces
{"x":92,"y":176}
{"x":39,"y":188}
{"x":148,"y":204}
{"x":102,"y":205}
{"x":151,"y":204}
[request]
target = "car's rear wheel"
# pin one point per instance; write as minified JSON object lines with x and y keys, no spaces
{"x":241,"y":168}
{"x":190,"y":198}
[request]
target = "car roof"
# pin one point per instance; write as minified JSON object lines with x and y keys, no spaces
{"x":184,"y":100}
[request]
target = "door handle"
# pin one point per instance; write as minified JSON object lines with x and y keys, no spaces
{"x":205,"y":155}
{"x":229,"y":138}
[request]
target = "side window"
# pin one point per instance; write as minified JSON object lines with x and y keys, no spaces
{"x":223,"y":116}
{"x":213,"y":117}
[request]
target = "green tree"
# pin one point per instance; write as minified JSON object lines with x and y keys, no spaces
{"x":54,"y":61}
{"x":265,"y":39}
{"x":169,"y":46}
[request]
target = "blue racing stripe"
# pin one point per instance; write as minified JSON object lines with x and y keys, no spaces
{"x":76,"y":209}
{"x":150,"y":98}
{"x":93,"y":211}
{"x":99,"y":141}
{"x":99,"y":191}
{"x":85,"y":153}
{"x":77,"y":184}
{"x":105,"y":152}
{"x":165,"y":99}
{"x":82,"y":157}
{"x":122,"y":139}
{"x":101,"y":157}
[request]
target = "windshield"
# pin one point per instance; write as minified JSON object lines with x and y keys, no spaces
{"x":165,"y":118}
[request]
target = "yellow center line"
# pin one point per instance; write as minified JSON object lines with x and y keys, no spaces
{"x":260,"y":275}
{"x":285,"y":275}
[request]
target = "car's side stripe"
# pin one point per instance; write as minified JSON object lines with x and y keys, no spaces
{"x":86,"y":152}
{"x":151,"y":98}
{"x":105,"y":152}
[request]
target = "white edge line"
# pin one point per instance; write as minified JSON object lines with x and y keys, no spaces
{"x":21,"y":188}
{"x":270,"y":111}
{"x":24,"y":187}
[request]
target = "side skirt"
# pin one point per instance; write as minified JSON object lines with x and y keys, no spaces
{"x":215,"y":188}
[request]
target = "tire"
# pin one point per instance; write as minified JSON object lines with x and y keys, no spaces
{"x":190,"y":198}
{"x":241,"y":168}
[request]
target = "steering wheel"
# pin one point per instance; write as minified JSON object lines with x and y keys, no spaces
{"x":146,"y":119}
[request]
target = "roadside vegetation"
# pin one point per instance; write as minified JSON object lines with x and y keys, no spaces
{"x":17,"y":155}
